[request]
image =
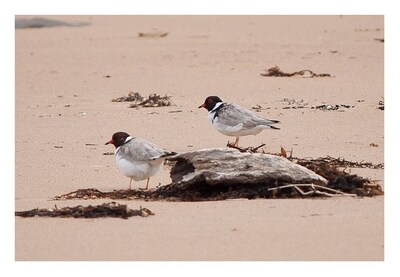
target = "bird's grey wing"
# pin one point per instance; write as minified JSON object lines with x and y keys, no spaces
{"x":233,"y":115}
{"x":142,"y":150}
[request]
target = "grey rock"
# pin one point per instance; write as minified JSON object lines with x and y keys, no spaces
{"x":224,"y":166}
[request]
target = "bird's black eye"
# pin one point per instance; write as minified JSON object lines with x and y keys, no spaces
{"x":210,"y":101}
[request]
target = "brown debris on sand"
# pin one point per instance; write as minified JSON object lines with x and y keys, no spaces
{"x":302,"y":104}
{"x":294,"y":103}
{"x":153,"y":100}
{"x":92,"y":193}
{"x":153,"y":34}
{"x":338,"y":162}
{"x":381,"y":104}
{"x":328,"y":167}
{"x":306,"y":73}
{"x":340,"y":179}
{"x":332,"y":107}
{"x":132,"y":97}
{"x":112,"y":209}
{"x":204,"y":192}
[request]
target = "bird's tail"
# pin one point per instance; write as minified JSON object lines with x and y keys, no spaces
{"x":166,"y":154}
{"x":272,"y":121}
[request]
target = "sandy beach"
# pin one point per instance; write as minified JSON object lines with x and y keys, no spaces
{"x":67,"y":76}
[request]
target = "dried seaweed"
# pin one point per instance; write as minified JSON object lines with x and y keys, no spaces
{"x":93,"y":193}
{"x":112,"y":209}
{"x":306,"y":73}
{"x":295,"y":103}
{"x":153,"y":100}
{"x":331,"y":107}
{"x":338,"y":162}
{"x":257,"y":108}
{"x":340,"y":179}
{"x":153,"y":34}
{"x":301,"y":104}
{"x":204,"y":192}
{"x":328,"y":167}
{"x":381,"y":104}
{"x":132,"y":97}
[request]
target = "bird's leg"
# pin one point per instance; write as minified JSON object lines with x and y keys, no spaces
{"x":130,"y":183}
{"x":236,"y":142}
{"x":147,"y":185}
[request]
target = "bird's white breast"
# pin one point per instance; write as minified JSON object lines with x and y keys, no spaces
{"x":138,"y":170}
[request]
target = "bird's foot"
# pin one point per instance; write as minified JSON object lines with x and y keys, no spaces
{"x":231,"y":144}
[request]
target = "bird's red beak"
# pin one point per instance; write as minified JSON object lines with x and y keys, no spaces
{"x":202,"y":106}
{"x":109,"y":142}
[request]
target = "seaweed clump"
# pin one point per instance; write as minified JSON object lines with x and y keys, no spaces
{"x":112,"y":209}
{"x":153,"y":100}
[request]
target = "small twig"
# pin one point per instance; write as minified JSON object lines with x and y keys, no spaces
{"x":256,"y":148}
{"x":313,"y":190}
{"x":247,"y":149}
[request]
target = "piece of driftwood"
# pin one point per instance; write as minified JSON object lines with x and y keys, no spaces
{"x":112,"y":209}
{"x":222,"y":166}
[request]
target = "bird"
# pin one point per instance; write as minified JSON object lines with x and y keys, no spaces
{"x":137,"y":158}
{"x":233,"y":120}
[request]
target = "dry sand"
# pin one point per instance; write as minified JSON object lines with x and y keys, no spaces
{"x":63,"y":103}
